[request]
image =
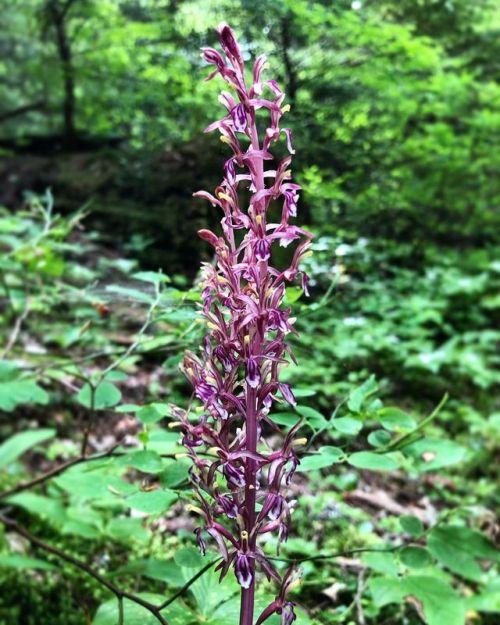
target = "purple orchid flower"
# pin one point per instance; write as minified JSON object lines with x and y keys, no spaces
{"x":236,"y":376}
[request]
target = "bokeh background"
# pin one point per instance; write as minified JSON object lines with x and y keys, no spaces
{"x":395,"y":109}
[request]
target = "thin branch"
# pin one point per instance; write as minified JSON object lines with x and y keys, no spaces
{"x":119,"y":593}
{"x":57,"y":471}
{"x":338,"y":554}
{"x":16,"y":329}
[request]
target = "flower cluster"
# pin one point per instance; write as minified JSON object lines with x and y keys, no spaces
{"x":239,"y":482}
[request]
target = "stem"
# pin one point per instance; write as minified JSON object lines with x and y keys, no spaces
{"x":247,"y":594}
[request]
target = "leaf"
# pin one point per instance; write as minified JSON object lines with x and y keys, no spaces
{"x":131,"y":294}
{"x":14,"y":393}
{"x":312,"y":417}
{"x":146,"y":461}
{"x":372,"y":461}
{"x":150,"y":414}
{"x":44,"y":507}
{"x":325,"y":457}
{"x":189,"y":557}
{"x":17,"y":444}
{"x":153,"y":502}
{"x":18,"y":561}
{"x":287,"y":419}
{"x":433,"y":453}
{"x":459,"y":548}
{"x":174,"y":472}
{"x":347,"y":425}
{"x":385,"y":590}
{"x":382,"y":562}
{"x":395,"y":419}
{"x":379,"y":438}
{"x":488,"y":599}
{"x":8,"y":370}
{"x":411,"y":525}
{"x":440,"y":602}
{"x":155,"y":277}
{"x":106,"y":396}
{"x":134,"y":614}
{"x":415,"y":557}
{"x":359,"y":394}
{"x":125,"y":529}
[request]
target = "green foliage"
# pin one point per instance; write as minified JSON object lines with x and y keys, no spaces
{"x":395,"y":110}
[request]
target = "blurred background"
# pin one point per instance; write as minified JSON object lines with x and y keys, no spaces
{"x":395,"y":109}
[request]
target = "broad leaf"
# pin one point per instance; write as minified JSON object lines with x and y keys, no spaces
{"x":16,"y":445}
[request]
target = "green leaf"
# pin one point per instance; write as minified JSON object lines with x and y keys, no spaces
{"x":146,"y":461}
{"x":150,"y":414}
{"x":460,"y":548}
{"x":18,"y":561}
{"x":153,"y":502}
{"x":441,"y":604}
{"x":385,"y":590}
{"x":134,"y":614}
{"x":14,"y":393}
{"x":396,"y":419}
{"x":287,"y":419}
{"x":347,"y":425}
{"x":189,"y":557}
{"x":433,"y":453}
{"x":415,"y":557}
{"x":411,"y":525}
{"x":488,"y":599}
{"x":125,"y":529}
{"x":379,"y":438}
{"x":174,"y":472}
{"x":155,"y":277}
{"x":17,"y":444}
{"x":44,"y":507}
{"x":8,"y":370}
{"x":382,"y":562}
{"x":106,"y":396}
{"x":359,"y":394}
{"x":325,"y":457}
{"x":312,"y":417}
{"x":134,"y":295}
{"x":372,"y":461}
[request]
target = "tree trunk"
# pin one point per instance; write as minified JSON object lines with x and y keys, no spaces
{"x":58,"y":14}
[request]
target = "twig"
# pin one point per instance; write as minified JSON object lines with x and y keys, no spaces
{"x":57,"y":471}
{"x":16,"y":329}
{"x":119,"y":593}
{"x":358,"y":597}
{"x":338,"y":554}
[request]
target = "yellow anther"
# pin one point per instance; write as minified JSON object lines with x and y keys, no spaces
{"x":223,"y":196}
{"x":190,"y":371}
{"x":258,"y":219}
{"x":286,"y":108}
{"x":287,"y":173}
{"x":265,"y":66}
{"x":300,"y":441}
{"x":174,"y":424}
{"x":225,"y":139}
{"x":212,"y":326}
{"x":221,"y":280}
{"x":212,"y":450}
{"x":246,"y":339}
{"x":191,"y":508}
{"x":244,"y":535}
{"x":251,"y":487}
{"x":179,"y":456}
